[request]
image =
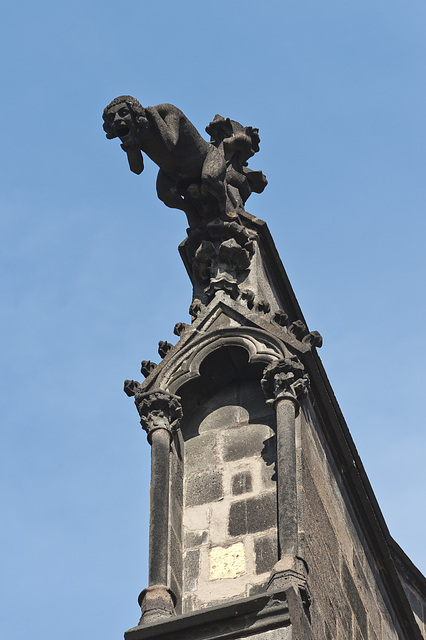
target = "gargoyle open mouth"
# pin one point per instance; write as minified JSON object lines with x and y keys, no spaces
{"x":122,"y":132}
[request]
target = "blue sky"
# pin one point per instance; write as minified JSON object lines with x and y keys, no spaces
{"x":91,"y":278}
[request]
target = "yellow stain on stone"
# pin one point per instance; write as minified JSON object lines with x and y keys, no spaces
{"x":227,"y":562}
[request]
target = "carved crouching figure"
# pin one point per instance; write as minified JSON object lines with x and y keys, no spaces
{"x":192,"y":171}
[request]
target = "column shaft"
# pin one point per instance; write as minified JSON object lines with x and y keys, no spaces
{"x":159,"y":507}
{"x":287,"y":489}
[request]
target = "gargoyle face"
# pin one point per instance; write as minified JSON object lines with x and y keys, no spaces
{"x":120,"y":123}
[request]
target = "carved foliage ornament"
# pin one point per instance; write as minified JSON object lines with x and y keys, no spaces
{"x":220,"y":254}
{"x":157,"y":409}
{"x":285,"y":378}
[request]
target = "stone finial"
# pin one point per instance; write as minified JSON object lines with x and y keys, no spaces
{"x":285,"y":378}
{"x":158,"y":410}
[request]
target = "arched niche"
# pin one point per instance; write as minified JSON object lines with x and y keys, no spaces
{"x":228,"y":488}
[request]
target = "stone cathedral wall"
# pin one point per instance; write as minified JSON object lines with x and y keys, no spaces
{"x":350,"y":601}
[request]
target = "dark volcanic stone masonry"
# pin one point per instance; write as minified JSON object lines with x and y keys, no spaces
{"x":253,"y":514}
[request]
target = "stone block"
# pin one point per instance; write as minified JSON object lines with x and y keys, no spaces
{"x":199,"y":452}
{"x":227,"y":562}
{"x":266,"y":553}
{"x":248,"y":441}
{"x":253,"y":515}
{"x":202,"y":488}
{"x":195,"y":538}
{"x":241,"y":483}
{"x":191,"y":570}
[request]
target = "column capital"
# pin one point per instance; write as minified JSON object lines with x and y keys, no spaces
{"x":285,"y":379}
{"x":158,"y":410}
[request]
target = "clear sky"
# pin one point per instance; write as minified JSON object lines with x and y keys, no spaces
{"x":91,"y":278}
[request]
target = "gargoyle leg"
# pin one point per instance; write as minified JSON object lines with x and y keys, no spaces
{"x":213,"y":177}
{"x":166,"y":191}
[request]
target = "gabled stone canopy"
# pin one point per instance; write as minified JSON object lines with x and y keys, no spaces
{"x":263,"y":523}
{"x":327,"y":554}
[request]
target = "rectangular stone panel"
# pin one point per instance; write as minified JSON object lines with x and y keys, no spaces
{"x":241,"y":483}
{"x":191,"y":569}
{"x":199,"y":451}
{"x":266,"y":553}
{"x":202,"y":488}
{"x":227,"y":562}
{"x":253,"y":514}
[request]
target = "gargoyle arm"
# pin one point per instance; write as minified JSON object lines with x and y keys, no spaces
{"x":167,"y":125}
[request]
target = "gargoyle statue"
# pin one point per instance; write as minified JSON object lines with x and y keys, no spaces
{"x":206,"y":180}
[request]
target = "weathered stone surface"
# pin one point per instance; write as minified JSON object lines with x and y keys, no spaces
{"x":354,"y":599}
{"x":200,"y":451}
{"x":202,"y":488}
{"x":241,"y":483}
{"x":195,"y":538}
{"x":175,"y":512}
{"x":191,"y":569}
{"x":248,"y":441}
{"x":227,"y":562}
{"x":254,"y":589}
{"x":175,"y":555}
{"x":266,"y":552}
{"x":321,"y":519}
{"x":253,"y":514}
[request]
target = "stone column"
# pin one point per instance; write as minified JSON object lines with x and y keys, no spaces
{"x":283,"y":383}
{"x":160,"y":414}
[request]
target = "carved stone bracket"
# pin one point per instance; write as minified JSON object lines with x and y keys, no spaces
{"x":220,"y":255}
{"x":285,"y":378}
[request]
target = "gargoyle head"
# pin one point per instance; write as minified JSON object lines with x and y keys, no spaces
{"x":121,"y":118}
{"x":124,"y":118}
